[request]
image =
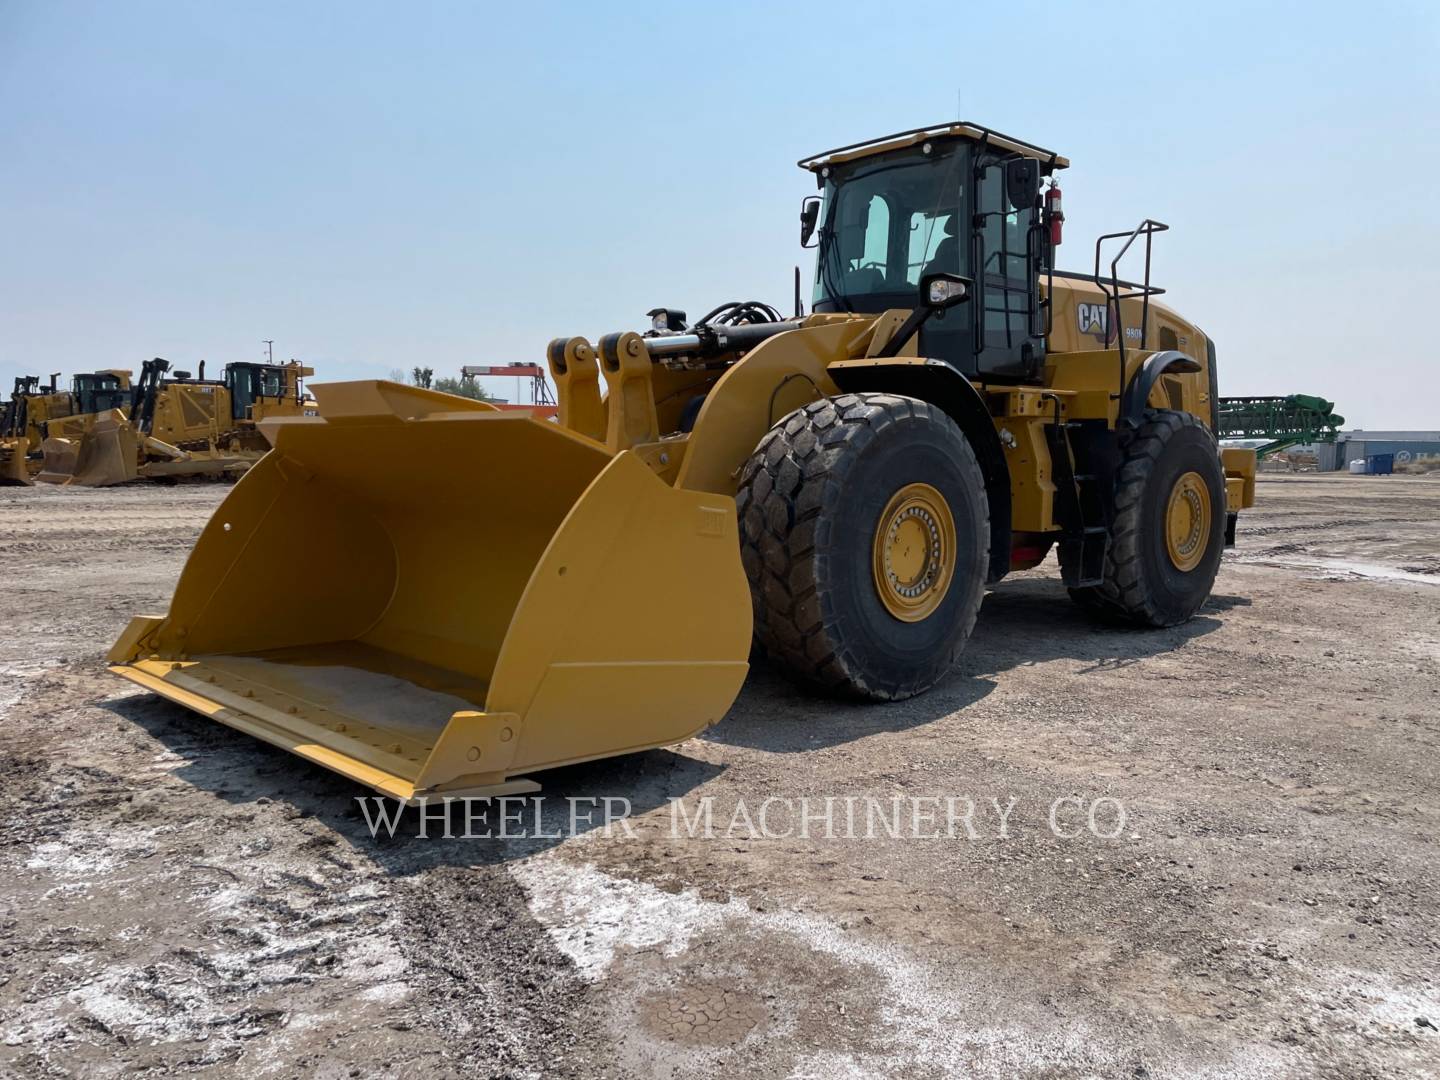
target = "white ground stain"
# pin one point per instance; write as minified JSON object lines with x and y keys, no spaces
{"x":930,"y":1018}
{"x":61,"y":859}
{"x":1330,"y":567}
{"x":209,"y":994}
{"x":14,"y":674}
{"x":592,"y":915}
{"x":1378,"y":999}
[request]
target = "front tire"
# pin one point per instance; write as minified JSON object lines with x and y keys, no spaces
{"x":1169,"y":524}
{"x":865,"y":534}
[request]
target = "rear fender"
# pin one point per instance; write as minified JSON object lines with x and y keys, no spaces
{"x":1137,"y":394}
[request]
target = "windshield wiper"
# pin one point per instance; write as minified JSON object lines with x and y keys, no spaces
{"x":829,"y":247}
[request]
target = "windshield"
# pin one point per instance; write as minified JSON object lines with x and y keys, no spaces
{"x":256,"y":380}
{"x":96,"y":393}
{"x":887,"y":223}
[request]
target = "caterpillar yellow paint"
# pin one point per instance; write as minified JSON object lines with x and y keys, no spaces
{"x":435,"y":598}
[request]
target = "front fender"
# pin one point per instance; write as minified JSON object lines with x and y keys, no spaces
{"x":945,"y":386}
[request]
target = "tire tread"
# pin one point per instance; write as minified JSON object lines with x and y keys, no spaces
{"x":801,"y":467}
{"x":1126,"y":595}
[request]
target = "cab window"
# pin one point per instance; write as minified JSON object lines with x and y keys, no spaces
{"x":888,"y":224}
{"x":1005,"y":236}
{"x":928,"y":231}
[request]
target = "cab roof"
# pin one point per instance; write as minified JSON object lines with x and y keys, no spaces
{"x":960,"y":129}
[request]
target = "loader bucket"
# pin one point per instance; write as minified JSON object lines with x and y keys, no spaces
{"x":434,"y":597}
{"x":95,"y":451}
{"x":13,"y":470}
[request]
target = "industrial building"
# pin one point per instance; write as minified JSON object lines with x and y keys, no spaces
{"x":1356,"y":445}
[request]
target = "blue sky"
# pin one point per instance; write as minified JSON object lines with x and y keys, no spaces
{"x":383,"y":185}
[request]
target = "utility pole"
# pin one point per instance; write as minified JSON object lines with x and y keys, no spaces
{"x":269,"y":344}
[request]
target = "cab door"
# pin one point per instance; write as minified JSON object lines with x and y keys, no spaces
{"x":1006,"y":250}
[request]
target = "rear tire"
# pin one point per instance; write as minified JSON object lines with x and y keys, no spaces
{"x":865,"y":534}
{"x":1169,"y":524}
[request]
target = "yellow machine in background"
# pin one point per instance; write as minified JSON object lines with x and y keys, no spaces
{"x":32,"y":408}
{"x":842,"y":485}
{"x":14,"y":460}
{"x":177,"y":426}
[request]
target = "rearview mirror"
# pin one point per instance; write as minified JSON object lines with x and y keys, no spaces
{"x":942,"y":290}
{"x":938,"y":292}
{"x":1022,"y":182}
{"x":809,"y":215}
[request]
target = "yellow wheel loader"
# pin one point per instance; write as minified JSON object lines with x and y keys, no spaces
{"x":841,"y":485}
{"x":175,"y":426}
{"x":33,"y":407}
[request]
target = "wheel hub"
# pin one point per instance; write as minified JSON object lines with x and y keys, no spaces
{"x":914,"y":552}
{"x":1187,"y":521}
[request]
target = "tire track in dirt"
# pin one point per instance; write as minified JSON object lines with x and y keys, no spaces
{"x":180,"y":898}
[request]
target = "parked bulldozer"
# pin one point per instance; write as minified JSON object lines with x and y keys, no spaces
{"x":19,"y":428}
{"x":841,"y":486}
{"x":14,"y":460}
{"x":34,"y":406}
{"x":176,"y":426}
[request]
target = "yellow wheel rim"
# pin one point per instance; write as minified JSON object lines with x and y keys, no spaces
{"x":914,"y":552}
{"x":1187,"y":521}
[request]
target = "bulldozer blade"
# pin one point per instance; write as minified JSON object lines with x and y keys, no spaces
{"x":61,"y":456}
{"x":527,"y":601}
{"x":13,"y":467}
{"x":104,"y":452}
{"x":198,"y":464}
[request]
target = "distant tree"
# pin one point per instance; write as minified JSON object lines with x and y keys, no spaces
{"x":446,"y":384}
{"x":462,"y":387}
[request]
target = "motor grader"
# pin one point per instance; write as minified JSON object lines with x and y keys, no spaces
{"x":841,"y":486}
{"x":33,"y":406}
{"x":176,"y":426}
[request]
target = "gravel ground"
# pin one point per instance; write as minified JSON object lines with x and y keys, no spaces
{"x":180,"y":898}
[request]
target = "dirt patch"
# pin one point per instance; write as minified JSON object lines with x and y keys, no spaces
{"x":704,"y":1012}
{"x":178,"y":897}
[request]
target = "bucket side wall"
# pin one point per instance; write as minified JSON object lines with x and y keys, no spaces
{"x":635,"y":628}
{"x":287,"y":560}
{"x":416,"y":537}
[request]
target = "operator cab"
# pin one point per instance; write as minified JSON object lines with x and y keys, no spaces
{"x":100,"y":391}
{"x":955,"y":198}
{"x":251,"y":383}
